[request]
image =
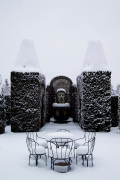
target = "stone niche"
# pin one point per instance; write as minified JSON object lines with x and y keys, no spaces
{"x":27,"y":101}
{"x":61,"y":108}
{"x":94,"y":93}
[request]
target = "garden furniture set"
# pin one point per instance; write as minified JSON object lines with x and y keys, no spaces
{"x":61,"y":146}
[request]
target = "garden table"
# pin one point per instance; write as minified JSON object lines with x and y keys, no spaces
{"x":52,"y":135}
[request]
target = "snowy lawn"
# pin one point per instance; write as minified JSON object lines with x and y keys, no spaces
{"x":14,"y":157}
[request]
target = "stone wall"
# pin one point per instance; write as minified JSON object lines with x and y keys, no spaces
{"x":94,"y":91}
{"x":26,"y":103}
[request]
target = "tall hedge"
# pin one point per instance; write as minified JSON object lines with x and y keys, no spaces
{"x":95,"y":95}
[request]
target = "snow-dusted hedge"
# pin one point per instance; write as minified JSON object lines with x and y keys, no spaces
{"x":114,"y":111}
{"x":94,"y":91}
{"x":26,"y":105}
{"x":7,"y":104}
{"x":2,"y":115}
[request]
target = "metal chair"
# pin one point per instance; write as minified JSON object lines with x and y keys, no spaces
{"x":86,"y":151}
{"x":35,"y":150}
{"x":89,"y":134}
{"x":42,"y":142}
{"x":61,"y":152}
{"x":78,"y":142}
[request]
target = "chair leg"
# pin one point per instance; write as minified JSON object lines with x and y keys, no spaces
{"x":87,"y":162}
{"x":51,"y":163}
{"x":48,"y":152}
{"x":74,"y":152}
{"x":92,"y":159}
{"x":76,"y":159}
{"x":83,"y":160}
{"x":70,"y":160}
{"x":29,"y":159}
{"x":46,"y":159}
{"x":36,"y":160}
{"x":68,"y":166}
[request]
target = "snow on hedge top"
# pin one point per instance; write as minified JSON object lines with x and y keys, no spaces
{"x":95,"y":58}
{"x":27,"y":60}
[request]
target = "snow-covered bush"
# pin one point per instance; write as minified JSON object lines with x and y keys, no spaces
{"x":114,"y":111}
{"x":94,"y":90}
{"x":96,"y":101}
{"x":7,"y":100}
{"x":27,"y":91}
{"x":25,"y":101}
{"x":2,"y":109}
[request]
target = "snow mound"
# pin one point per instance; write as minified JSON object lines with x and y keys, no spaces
{"x":60,"y":105}
{"x":95,"y":59}
{"x":27,"y":60}
{"x":61,"y":89}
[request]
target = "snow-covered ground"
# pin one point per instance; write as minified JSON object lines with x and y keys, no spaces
{"x":14,"y":157}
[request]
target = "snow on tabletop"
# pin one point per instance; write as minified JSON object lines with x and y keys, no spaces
{"x":61,"y":89}
{"x":49,"y":136}
{"x":95,"y":59}
{"x":60,"y":105}
{"x":27,"y":60}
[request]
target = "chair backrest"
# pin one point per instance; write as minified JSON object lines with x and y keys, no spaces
{"x":89,"y":134}
{"x":91,"y":144}
{"x":38,"y":136}
{"x":31,"y":144}
{"x":31,"y":135}
{"x":63,"y":130}
{"x":61,"y":148}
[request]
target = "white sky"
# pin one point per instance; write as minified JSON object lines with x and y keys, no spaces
{"x":61,"y":31}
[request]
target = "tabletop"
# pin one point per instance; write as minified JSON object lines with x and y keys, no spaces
{"x":49,"y":136}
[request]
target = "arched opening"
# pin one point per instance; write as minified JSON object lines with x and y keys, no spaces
{"x":61,"y":99}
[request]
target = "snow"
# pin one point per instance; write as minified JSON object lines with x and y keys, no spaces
{"x":49,"y":136}
{"x":27,"y":60}
{"x":60,"y":105}
{"x":61,"y":89}
{"x":14,"y":157}
{"x":6,"y":90}
{"x":95,"y":59}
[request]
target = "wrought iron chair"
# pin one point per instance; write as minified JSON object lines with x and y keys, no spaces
{"x":78,"y":142}
{"x":42,"y":142}
{"x":35,"y":150}
{"x":90,"y":133}
{"x":61,"y":152}
{"x":86,"y":151}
